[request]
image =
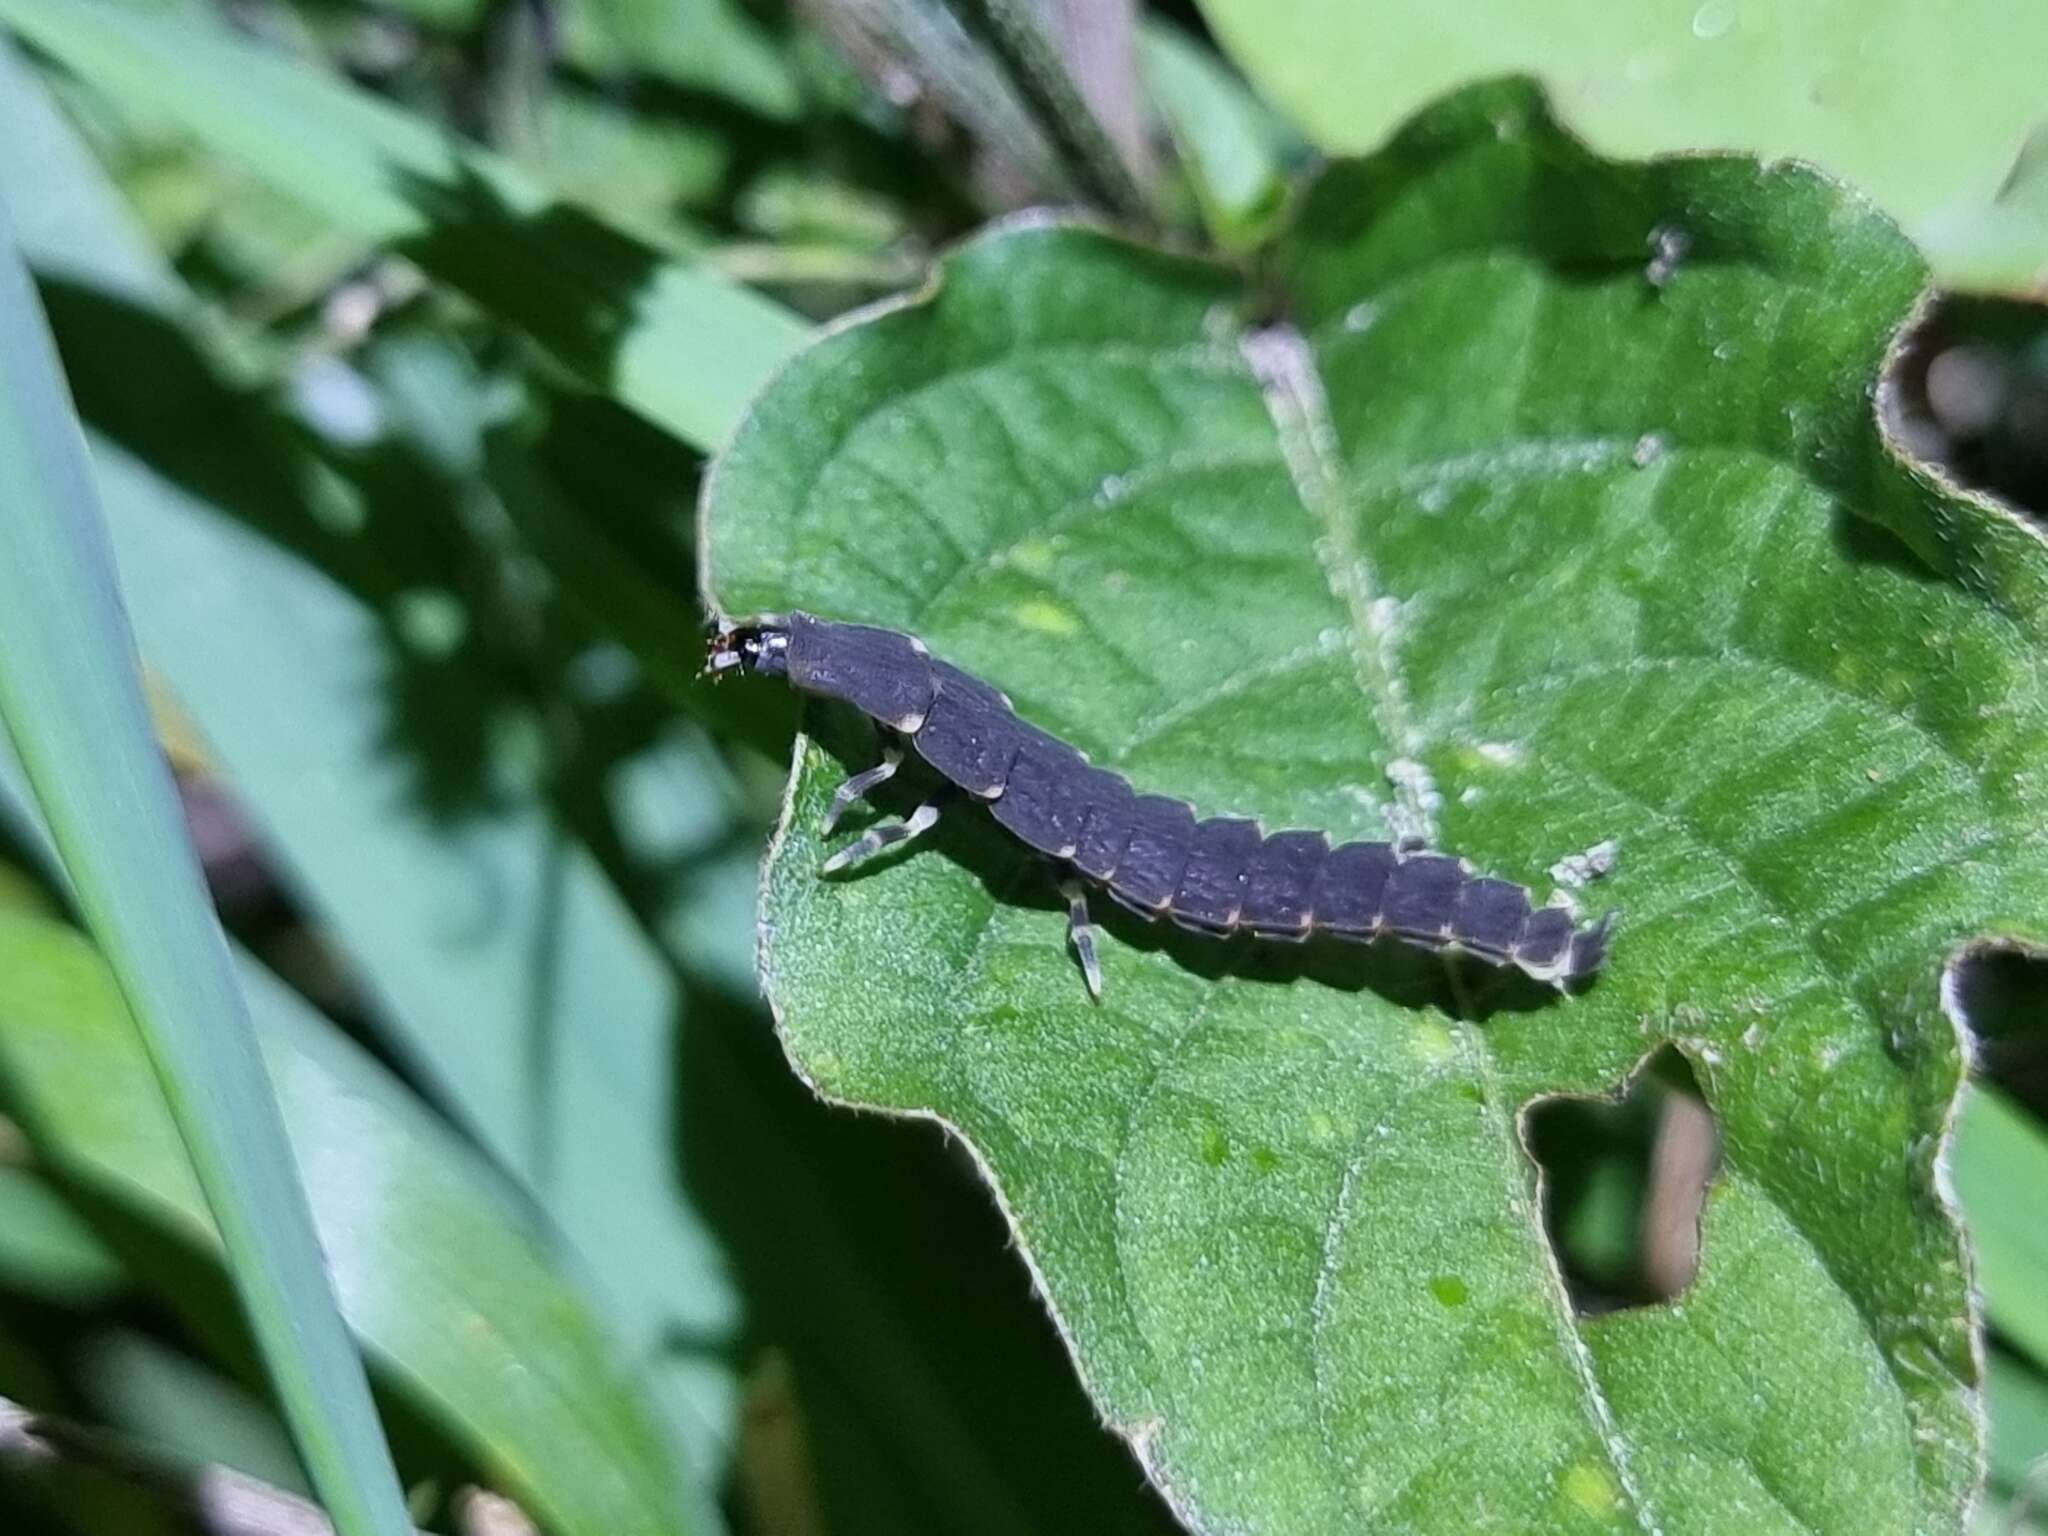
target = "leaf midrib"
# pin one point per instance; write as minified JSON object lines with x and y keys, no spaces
{"x":1297,"y":402}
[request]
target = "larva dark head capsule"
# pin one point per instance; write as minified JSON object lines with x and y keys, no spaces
{"x":762,"y":648}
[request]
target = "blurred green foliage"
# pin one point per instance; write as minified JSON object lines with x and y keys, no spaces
{"x":1825,"y":83}
{"x":402,"y":473}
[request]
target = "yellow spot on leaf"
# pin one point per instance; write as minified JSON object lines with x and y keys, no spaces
{"x":1047,"y":618}
{"x":1033,"y":557}
{"x":1591,"y":1487}
{"x":1432,"y":1043}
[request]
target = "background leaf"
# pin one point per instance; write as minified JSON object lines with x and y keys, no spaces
{"x":45,"y":1248}
{"x":706,"y":45}
{"x":673,"y":341}
{"x":506,"y":971}
{"x":2018,"y":1406}
{"x":1512,"y":537}
{"x":436,"y":1270}
{"x":441,"y":812}
{"x":1233,"y":144}
{"x":72,"y":703}
{"x":2000,"y":1153}
{"x":1831,"y":84}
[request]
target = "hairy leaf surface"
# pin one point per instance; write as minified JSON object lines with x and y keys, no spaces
{"x":1468,"y":522}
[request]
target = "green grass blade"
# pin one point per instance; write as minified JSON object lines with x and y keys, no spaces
{"x":72,"y":700}
{"x":678,"y":344}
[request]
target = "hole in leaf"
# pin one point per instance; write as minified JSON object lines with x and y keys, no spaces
{"x":1970,"y":392}
{"x":1999,"y":993}
{"x":1624,"y":1183}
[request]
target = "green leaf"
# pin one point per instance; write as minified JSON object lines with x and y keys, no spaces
{"x":181,"y":1408}
{"x":930,"y":1392}
{"x":2001,"y":1173}
{"x":700,"y":45}
{"x":2017,"y":1401}
{"x":505,"y":971}
{"x":1500,"y":538}
{"x":439,"y":1273}
{"x":1233,"y":144}
{"x":627,"y":166}
{"x":46,"y":1248}
{"x":674,"y":342}
{"x":71,"y":699}
{"x":1674,"y":75}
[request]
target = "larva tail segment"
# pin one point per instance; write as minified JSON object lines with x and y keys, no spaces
{"x":1589,"y":949}
{"x":1553,"y":949}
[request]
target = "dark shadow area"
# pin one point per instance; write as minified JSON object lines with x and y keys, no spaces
{"x":138,"y":379}
{"x":928,"y":1378}
{"x":910,"y":1369}
{"x":180,"y":1298}
{"x":1972,"y":393}
{"x":475,"y":645}
{"x":402,"y":532}
{"x":472,"y":653}
{"x":1404,"y":975}
{"x":1624,"y":1184}
{"x":628,"y":477}
{"x":572,"y":282}
{"x":506,"y":658}
{"x":1861,"y":541}
{"x":851,"y":140}
{"x":2000,"y":994}
{"x":38,"y":1342}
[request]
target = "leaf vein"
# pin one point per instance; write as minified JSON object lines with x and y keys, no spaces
{"x":1286,"y":372}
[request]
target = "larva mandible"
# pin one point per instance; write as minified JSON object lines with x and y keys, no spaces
{"x":1214,"y":875}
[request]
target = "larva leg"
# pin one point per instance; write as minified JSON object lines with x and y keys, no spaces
{"x":1081,"y":934}
{"x":887,"y":835}
{"x":860,"y":784}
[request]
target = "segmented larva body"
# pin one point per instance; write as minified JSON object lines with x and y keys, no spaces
{"x":1213,"y":875}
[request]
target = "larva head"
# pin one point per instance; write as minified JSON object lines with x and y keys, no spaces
{"x":762,"y":648}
